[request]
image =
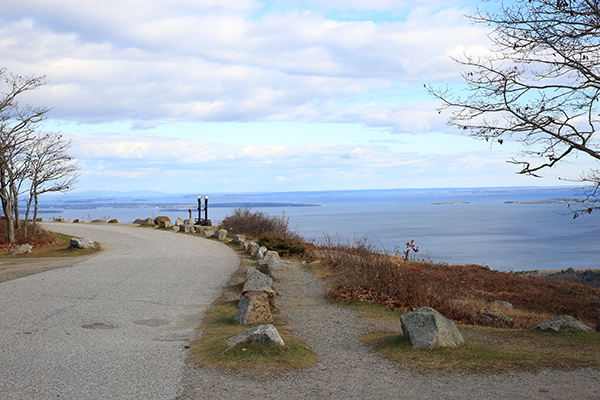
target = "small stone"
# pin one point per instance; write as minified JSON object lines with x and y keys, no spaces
{"x":82,"y":243}
{"x":162,"y":218}
{"x":265,"y":333}
{"x":165,"y":224}
{"x":22,"y":249}
{"x":496,"y":316}
{"x":220,"y":234}
{"x":239,"y":239}
{"x":260,"y":252}
{"x":501,"y":304}
{"x":563,"y":323}
{"x":252,"y":247}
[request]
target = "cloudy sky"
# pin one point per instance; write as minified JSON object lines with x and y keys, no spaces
{"x":250,"y":95}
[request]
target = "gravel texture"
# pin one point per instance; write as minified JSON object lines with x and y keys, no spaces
{"x":348,"y":369}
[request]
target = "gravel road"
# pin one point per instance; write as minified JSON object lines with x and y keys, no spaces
{"x":348,"y":369}
{"x":114,"y":326}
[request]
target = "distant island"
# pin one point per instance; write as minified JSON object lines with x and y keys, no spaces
{"x":441,"y":203}
{"x":562,"y":200}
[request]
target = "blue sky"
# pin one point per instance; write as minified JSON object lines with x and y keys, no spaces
{"x":248,"y":95}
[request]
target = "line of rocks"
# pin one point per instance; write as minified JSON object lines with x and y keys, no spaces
{"x":258,"y":295}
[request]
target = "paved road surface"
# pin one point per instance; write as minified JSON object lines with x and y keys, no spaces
{"x":113,"y":326}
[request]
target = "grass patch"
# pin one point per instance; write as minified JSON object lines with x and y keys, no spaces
{"x":489,"y":350}
{"x":262,"y":359}
{"x":60,"y":248}
{"x":323,"y":271}
{"x":372,"y":311}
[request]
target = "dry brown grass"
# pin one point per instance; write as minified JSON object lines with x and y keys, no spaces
{"x":42,"y":238}
{"x":403,"y":285}
{"x":492,"y":350}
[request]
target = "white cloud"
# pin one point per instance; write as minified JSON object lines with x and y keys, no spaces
{"x":209,"y":61}
{"x":150,"y":66}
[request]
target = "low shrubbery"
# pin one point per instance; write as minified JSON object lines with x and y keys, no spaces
{"x":282,"y":245}
{"x":257,"y":224}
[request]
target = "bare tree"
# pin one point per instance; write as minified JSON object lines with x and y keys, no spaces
{"x":540,"y":86}
{"x":17,"y":127}
{"x":50,"y":169}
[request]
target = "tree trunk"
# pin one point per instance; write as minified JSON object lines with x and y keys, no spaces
{"x":35,"y":210}
{"x":27,"y":216}
{"x":15,"y":202}
{"x":8,"y":214}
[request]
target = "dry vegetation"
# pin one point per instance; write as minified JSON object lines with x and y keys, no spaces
{"x":41,"y":238}
{"x":403,"y":283}
{"x":257,"y":224}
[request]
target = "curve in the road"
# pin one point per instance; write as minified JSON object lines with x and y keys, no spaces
{"x":114,"y":326}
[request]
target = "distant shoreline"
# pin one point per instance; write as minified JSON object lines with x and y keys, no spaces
{"x":441,"y":203}
{"x":50,"y":208}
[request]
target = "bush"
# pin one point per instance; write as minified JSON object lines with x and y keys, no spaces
{"x":256,"y":224}
{"x":402,"y":285}
{"x":283,"y":246}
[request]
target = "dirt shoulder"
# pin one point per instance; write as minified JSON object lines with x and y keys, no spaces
{"x":14,"y":268}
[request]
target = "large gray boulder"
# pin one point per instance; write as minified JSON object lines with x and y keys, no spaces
{"x":258,"y":282}
{"x":428,"y":328}
{"x":254,"y":308}
{"x":269,"y":263}
{"x":265,"y":333}
{"x":82,"y":243}
{"x":563,"y":323}
{"x":179,"y":221}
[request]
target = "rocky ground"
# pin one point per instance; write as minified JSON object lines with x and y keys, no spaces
{"x":348,"y":369}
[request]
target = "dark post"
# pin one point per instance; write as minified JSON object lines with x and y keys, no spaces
{"x":206,"y":209}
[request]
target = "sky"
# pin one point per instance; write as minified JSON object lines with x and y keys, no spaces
{"x":184,"y":96}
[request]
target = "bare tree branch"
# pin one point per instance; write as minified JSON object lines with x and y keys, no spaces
{"x":540,"y":85}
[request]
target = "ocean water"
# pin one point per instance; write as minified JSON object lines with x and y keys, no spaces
{"x":492,"y":229}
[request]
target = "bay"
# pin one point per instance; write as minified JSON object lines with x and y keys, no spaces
{"x":485,"y":226}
